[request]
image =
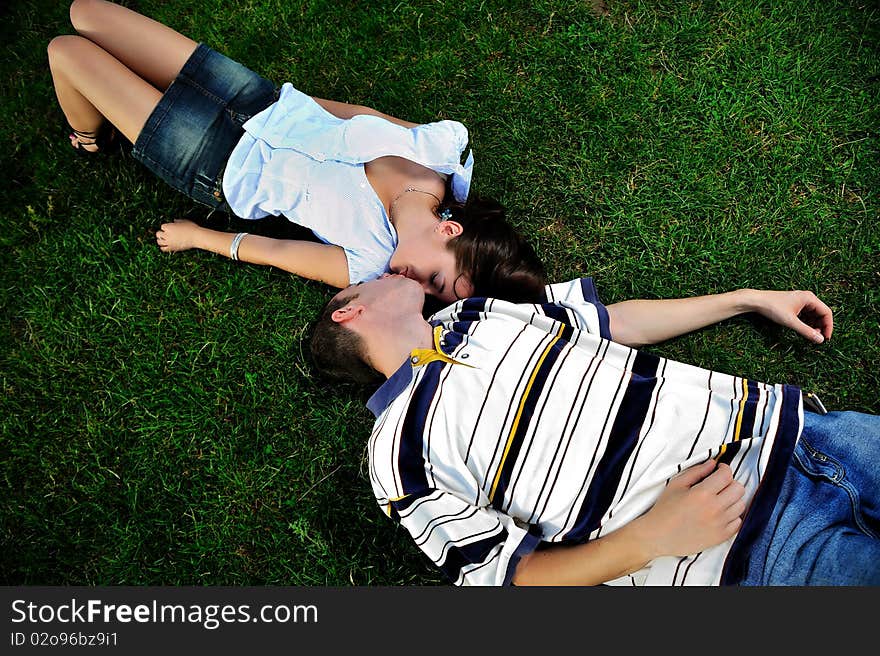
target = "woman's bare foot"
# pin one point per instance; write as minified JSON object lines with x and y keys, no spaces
{"x":177,"y":236}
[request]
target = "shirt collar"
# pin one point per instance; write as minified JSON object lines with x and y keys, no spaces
{"x":389,"y":390}
{"x":400,"y":379}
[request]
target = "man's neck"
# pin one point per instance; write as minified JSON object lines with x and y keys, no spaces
{"x":389,"y":349}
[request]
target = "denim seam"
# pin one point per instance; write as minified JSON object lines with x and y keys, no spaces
{"x":211,"y":96}
{"x":237,"y":117}
{"x":156,"y":120}
{"x":142,"y":150}
{"x":839,"y":480}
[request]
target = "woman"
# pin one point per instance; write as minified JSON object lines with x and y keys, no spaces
{"x":381,"y":194}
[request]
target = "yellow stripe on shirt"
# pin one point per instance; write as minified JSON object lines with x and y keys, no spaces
{"x":522,"y":403}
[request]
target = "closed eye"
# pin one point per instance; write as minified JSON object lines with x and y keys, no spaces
{"x":434,"y":284}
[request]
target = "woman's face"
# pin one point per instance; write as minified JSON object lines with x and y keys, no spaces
{"x":426,"y":258}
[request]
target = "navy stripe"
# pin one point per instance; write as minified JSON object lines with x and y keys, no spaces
{"x":568,"y":433}
{"x":567,"y":333}
{"x":588,"y":290}
{"x":503,"y":433}
{"x":452,"y":340}
{"x":429,"y":469}
{"x":468,"y":316}
{"x":525,"y":419}
{"x":768,"y":491}
{"x":556,"y":312}
{"x":398,"y":507}
{"x":730,"y":451}
{"x":472,"y":305}
{"x":475,"y":552}
{"x":541,"y":445}
{"x":402,"y":505}
{"x":750,"y":411}
{"x":597,"y":449}
{"x":488,"y":391}
{"x":529,"y":543}
{"x":621,"y":441}
{"x":632,"y":465}
{"x":410,"y":461}
{"x":462,"y":326}
{"x":645,"y":365}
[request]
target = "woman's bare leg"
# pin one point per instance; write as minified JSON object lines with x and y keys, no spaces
{"x":92,"y":85}
{"x":152,"y":50}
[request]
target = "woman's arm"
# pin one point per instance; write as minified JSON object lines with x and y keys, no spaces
{"x":698,"y":509}
{"x":323,"y":262}
{"x":639,"y":322}
{"x":345,"y":110}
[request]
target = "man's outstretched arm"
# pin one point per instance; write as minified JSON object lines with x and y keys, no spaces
{"x":698,"y":509}
{"x":639,"y":322}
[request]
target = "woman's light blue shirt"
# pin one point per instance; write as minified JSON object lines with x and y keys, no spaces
{"x":297,"y":159}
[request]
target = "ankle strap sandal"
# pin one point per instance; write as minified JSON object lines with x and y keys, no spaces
{"x":104,"y":138}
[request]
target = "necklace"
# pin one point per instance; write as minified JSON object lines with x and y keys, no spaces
{"x":407,"y":190}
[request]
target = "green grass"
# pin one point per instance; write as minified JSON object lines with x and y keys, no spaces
{"x":159,"y":421}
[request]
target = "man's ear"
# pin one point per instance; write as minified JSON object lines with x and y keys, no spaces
{"x":450,"y":229}
{"x":347,"y":313}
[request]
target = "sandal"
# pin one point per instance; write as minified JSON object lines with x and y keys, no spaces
{"x":105,"y":138}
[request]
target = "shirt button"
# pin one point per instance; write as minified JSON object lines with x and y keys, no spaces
{"x":414,"y":360}
{"x":464,"y":356}
{"x":216,"y":194}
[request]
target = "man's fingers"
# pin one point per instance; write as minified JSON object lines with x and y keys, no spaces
{"x":731,"y":494}
{"x":693,"y":475}
{"x":717,"y":480}
{"x":733,"y":527}
{"x":738,"y":509}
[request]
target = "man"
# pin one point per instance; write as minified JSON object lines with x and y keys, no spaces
{"x":531,"y":444}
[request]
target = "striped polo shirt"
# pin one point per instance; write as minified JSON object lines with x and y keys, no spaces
{"x":526,"y":425}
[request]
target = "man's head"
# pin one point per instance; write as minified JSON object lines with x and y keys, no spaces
{"x":470,"y":251}
{"x":366,"y":326}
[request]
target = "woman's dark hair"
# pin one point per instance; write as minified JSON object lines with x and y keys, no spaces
{"x":337,"y":351}
{"x":497,"y":260}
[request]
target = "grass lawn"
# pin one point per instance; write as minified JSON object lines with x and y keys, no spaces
{"x":159,"y":420}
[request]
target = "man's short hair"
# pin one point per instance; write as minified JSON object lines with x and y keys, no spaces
{"x":339,"y":352}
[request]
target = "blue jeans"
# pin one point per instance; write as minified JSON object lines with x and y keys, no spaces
{"x":188,"y":137}
{"x":825,"y":527}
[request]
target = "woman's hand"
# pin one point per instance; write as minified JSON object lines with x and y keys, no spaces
{"x":801,"y":311}
{"x":177,"y":236}
{"x":698,"y":509}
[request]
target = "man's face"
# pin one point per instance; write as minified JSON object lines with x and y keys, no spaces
{"x":392,"y":293}
{"x":428,"y":260}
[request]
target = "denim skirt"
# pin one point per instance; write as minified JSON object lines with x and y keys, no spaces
{"x":188,"y":137}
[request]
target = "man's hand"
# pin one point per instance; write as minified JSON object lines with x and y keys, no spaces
{"x":177,"y":236}
{"x":801,"y":311}
{"x":698,"y":509}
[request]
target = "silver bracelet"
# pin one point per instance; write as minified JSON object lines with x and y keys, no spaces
{"x":233,"y":248}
